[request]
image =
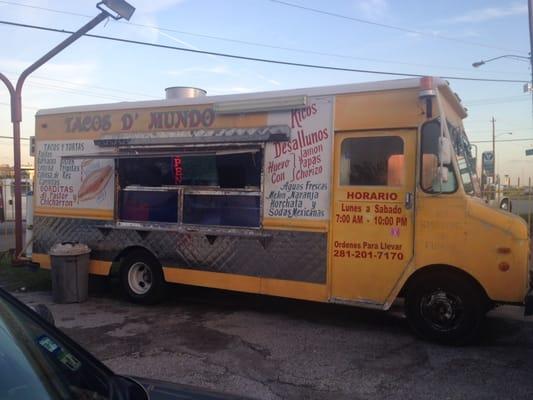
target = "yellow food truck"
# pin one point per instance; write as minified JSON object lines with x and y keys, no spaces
{"x":356,"y":194}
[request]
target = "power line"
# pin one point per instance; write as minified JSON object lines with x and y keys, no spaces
{"x":91,"y":86}
{"x":248,"y":43}
{"x":74,"y":91}
{"x":11,"y":137}
{"x":257,"y":59}
{"x":503,"y":140}
{"x":79,"y":92}
{"x":510,"y":129}
{"x":496,"y":98}
{"x":82,"y":85}
{"x":387,"y":26}
{"x":12,"y":3}
{"x":488,"y":103}
{"x":74,"y":88}
{"x":27,"y":107}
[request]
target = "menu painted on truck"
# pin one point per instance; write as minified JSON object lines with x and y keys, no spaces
{"x":380,"y":215}
{"x":72,"y":183}
{"x":298,"y":171}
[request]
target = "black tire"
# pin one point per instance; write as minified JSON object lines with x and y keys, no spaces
{"x":446,"y":308}
{"x":506,"y":205}
{"x":141,"y":278}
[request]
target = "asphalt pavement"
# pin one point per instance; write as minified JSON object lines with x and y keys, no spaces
{"x":270,"y":348}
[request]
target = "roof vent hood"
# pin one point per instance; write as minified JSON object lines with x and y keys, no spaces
{"x":183,"y":92}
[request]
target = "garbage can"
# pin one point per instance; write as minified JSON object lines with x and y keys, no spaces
{"x":70,"y":272}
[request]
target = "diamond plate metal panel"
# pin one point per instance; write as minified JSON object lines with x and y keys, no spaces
{"x":289,"y":255}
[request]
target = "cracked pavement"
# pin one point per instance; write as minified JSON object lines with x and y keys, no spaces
{"x":271,"y":348}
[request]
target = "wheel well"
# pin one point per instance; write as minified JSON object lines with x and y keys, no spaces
{"x":447,"y":269}
{"x":115,"y":266}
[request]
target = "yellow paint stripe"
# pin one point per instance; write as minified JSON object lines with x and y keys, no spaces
{"x":247,"y":284}
{"x":42,"y":259}
{"x":218,"y":280}
{"x":289,"y":224}
{"x":240,"y":283}
{"x":294,"y":289}
{"x":86,"y":213}
{"x":96,"y":267}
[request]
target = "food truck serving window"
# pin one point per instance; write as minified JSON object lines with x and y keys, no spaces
{"x":217,"y":170}
{"x":145,"y":172}
{"x":217,"y":209}
{"x":221,"y":189}
{"x":148,"y":205}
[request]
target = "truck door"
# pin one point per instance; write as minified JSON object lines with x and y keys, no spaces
{"x":373,"y":213}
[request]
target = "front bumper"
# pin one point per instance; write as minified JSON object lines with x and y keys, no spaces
{"x":528,"y":303}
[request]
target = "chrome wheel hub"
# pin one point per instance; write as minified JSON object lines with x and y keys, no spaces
{"x":443,"y":311}
{"x":140,"y":278}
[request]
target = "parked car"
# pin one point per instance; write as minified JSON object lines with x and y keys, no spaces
{"x":38,"y":361}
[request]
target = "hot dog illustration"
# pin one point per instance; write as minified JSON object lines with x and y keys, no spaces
{"x":95,"y":183}
{"x":85,"y":163}
{"x":84,"y":166}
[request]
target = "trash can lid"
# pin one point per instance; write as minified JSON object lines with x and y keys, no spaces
{"x":69,"y":249}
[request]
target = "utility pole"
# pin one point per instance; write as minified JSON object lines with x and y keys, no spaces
{"x":530,"y":13}
{"x":494,"y":147}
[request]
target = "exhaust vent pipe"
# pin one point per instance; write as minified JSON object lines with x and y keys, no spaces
{"x":183,"y":92}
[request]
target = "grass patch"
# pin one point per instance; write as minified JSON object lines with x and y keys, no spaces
{"x":31,"y":278}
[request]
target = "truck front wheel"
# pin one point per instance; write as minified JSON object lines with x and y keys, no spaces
{"x":445,"y":308}
{"x":506,"y":205}
{"x":142,"y":278}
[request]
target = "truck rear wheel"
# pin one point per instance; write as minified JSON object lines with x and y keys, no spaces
{"x":142,"y":278}
{"x":445,"y":308}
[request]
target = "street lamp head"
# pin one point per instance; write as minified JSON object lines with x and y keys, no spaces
{"x":121,"y":8}
{"x":512,"y":56}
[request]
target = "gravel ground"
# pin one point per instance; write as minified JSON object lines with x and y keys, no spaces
{"x":269,"y":348}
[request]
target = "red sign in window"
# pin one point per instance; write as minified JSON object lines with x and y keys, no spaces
{"x":1,"y":205}
{"x":178,"y":170}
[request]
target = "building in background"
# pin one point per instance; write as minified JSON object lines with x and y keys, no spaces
{"x":7,"y":190}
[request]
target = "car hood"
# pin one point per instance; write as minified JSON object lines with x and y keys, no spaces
{"x":161,"y":390}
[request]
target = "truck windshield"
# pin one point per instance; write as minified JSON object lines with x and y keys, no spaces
{"x":465,"y":161}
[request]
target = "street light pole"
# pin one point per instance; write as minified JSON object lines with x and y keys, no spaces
{"x":530,"y":13}
{"x":494,"y":136}
{"x":15,"y":93}
{"x":479,"y":63}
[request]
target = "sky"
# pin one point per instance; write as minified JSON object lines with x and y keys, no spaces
{"x":440,"y":38}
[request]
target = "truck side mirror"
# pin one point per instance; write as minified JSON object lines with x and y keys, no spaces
{"x":445,"y":150}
